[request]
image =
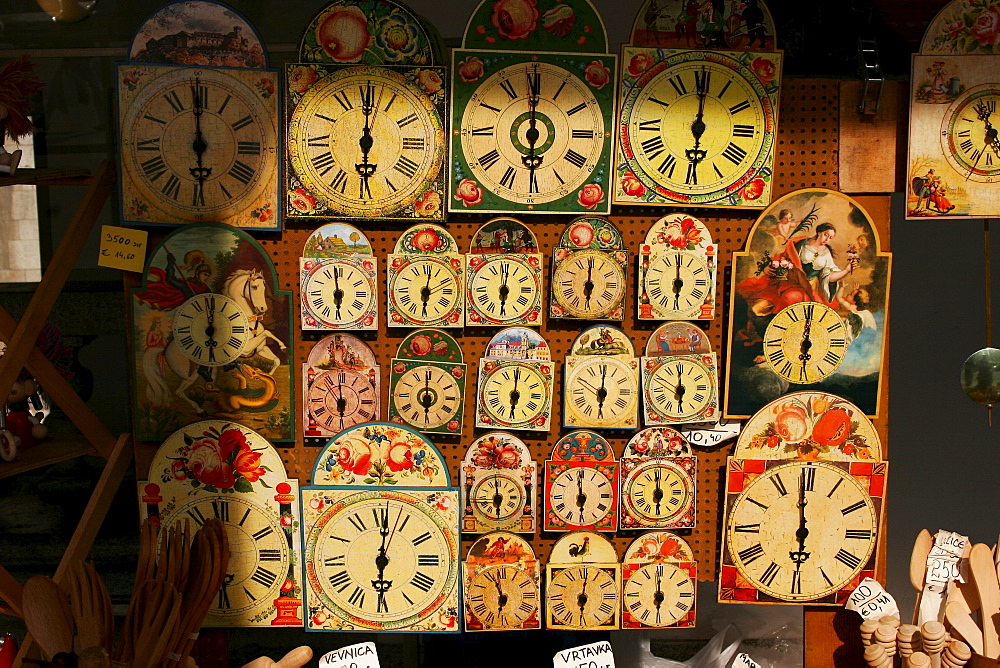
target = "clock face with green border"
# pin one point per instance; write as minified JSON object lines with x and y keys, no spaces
{"x":530,"y":131}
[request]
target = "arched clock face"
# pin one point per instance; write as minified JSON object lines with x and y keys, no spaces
{"x":657,"y":493}
{"x":514,"y":394}
{"x":259,"y":556}
{"x":680,"y":388}
{"x":582,"y":496}
{"x":338,"y":293}
{"x":211,"y":329}
{"x":969,"y":134}
{"x":588,"y":284}
{"x":532,"y":133}
{"x":200,"y":144}
{"x":801,"y":530}
{"x":695,"y":124}
{"x":497,"y":497}
{"x":366,"y":141}
{"x":341,"y":398}
{"x":502,"y":597}
{"x":659,"y":595}
{"x":427,"y":397}
{"x":677,"y":283}
{"x":602,"y":391}
{"x":503,"y":289}
{"x":582,"y":596}
{"x":383,"y":559}
{"x":425,"y":290}
{"x":805,"y":342}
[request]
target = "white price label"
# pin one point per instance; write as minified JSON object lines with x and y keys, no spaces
{"x":362,"y":655}
{"x":871,"y":601}
{"x":595,"y":655}
{"x":708,"y":434}
{"x":744,"y":661}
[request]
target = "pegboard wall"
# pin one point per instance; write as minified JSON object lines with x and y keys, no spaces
{"x":806,"y":156}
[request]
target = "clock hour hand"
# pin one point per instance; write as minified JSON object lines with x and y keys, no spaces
{"x":678,"y":283}
{"x":515,"y":396}
{"x":210,"y":342}
{"x":381,"y":585}
{"x":341,"y":402}
{"x":501,"y":597}
{"x":658,"y":596}
{"x":366,"y":169}
{"x":427,"y":397}
{"x":800,"y":556}
{"x":338,"y":294}
{"x":425,"y":292}
{"x":581,"y":599}
{"x":504,"y":289}
{"x":602,"y":393}
{"x":680,"y":389}
{"x":497,"y":497}
{"x":697,"y":154}
{"x":581,"y":496}
{"x":657,"y":493}
{"x":199,"y":145}
{"x":531,"y":161}
{"x":588,"y":285}
{"x":806,"y":345}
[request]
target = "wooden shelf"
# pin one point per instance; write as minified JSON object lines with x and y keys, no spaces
{"x":52,"y":450}
{"x":47,"y":177}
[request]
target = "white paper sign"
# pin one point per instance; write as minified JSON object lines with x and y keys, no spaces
{"x":871,"y":601}
{"x":708,"y":434}
{"x":744,"y":661}
{"x":942,"y":570}
{"x":362,"y":655}
{"x":595,"y":655}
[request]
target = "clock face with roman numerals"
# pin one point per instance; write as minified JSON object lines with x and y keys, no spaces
{"x":805,"y":342}
{"x":341,"y":398}
{"x":584,"y":596}
{"x":502,"y":597}
{"x":676,"y":284}
{"x":799,"y":530}
{"x":659,"y":595}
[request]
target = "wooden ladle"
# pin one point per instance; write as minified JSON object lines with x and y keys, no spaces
{"x":47,"y":615}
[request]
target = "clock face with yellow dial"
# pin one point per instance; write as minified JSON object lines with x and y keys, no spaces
{"x":504,"y":290}
{"x":697,"y":126}
{"x":425,"y":291}
{"x":426,"y":397}
{"x":658,"y":493}
{"x":497,"y":498}
{"x":680,"y":388}
{"x":365,"y":142}
{"x":337,"y":293}
{"x":502,"y":597}
{"x":588,"y":285}
{"x":676,"y":283}
{"x":659,"y":595}
{"x":582,"y":496}
{"x":601,"y":391}
{"x":584,"y":596}
{"x":968,"y":138}
{"x":805,"y":342}
{"x":514,"y":395}
{"x":211,"y":329}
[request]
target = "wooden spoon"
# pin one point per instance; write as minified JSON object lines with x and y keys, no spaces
{"x":47,"y":615}
{"x":961,"y":621}
{"x":918,"y":565}
{"x":984,"y":574}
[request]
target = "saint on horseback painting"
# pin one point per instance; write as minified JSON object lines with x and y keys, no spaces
{"x":175,"y":384}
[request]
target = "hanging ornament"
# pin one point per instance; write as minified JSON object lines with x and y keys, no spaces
{"x":981,"y":371}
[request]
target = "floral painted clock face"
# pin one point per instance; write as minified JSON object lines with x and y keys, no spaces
{"x":341,"y":387}
{"x":584,"y":583}
{"x":660,"y":582}
{"x":426,"y":279}
{"x":659,"y":481}
{"x":501,"y":584}
{"x":499,"y":482}
{"x":680,"y":388}
{"x":337,"y":279}
{"x":677,"y":270}
{"x":427,"y":383}
{"x":581,"y":484}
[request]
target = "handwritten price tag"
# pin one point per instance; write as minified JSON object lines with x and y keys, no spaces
{"x":362,"y":655}
{"x":595,"y":655}
{"x":744,"y":661}
{"x":122,"y":248}
{"x":871,"y":601}
{"x":707,"y":434}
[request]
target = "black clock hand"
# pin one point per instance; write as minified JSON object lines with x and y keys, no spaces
{"x":381,"y":585}
{"x":657,"y":492}
{"x":532,"y":161}
{"x":199,"y":145}
{"x":515,"y":396}
{"x":504,"y":289}
{"x":497,"y":497}
{"x":800,"y":556}
{"x":678,"y":284}
{"x":680,"y":390}
{"x":697,"y":154}
{"x":338,"y":294}
{"x":341,"y":402}
{"x":581,"y":497}
{"x":425,"y":292}
{"x":366,"y":169}
{"x":602,"y":393}
{"x":426,"y":398}
{"x":806,"y":345}
{"x":658,"y":594}
{"x":588,"y":285}
{"x":501,"y":597}
{"x":581,"y":600}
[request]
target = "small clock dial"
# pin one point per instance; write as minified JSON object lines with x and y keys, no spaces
{"x":677,"y":283}
{"x":338,"y":293}
{"x":385,"y":561}
{"x":259,"y":556}
{"x":502,"y":290}
{"x":515,"y":394}
{"x":532,"y":133}
{"x":339,"y":399}
{"x":680,"y":388}
{"x":425,"y":290}
{"x":581,"y":496}
{"x":968,"y":135}
{"x":426,"y":397}
{"x":211,"y":329}
{"x":582,"y":596}
{"x":801,"y":530}
{"x":805,"y":342}
{"x":497,"y":497}
{"x":659,"y":594}
{"x":502,"y":596}
{"x":657,"y":493}
{"x":588,"y":284}
{"x":366,"y":141}
{"x":602,"y":391}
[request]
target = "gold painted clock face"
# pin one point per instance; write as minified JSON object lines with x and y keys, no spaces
{"x":426,"y":397}
{"x":211,"y":329}
{"x":657,"y":493}
{"x":659,"y":595}
{"x":503,"y":290}
{"x":581,"y":496}
{"x":198,"y":144}
{"x":601,"y":391}
{"x":425,"y":291}
{"x":341,"y":398}
{"x":532,"y":133}
{"x":968,"y":137}
{"x":805,"y":342}
{"x":680,"y":388}
{"x":801,"y":530}
{"x":338,"y":293}
{"x":588,"y":284}
{"x":514,"y":394}
{"x":366,"y":141}
{"x":497,"y":498}
{"x":383,"y":558}
{"x":677,"y":282}
{"x":502,"y":597}
{"x":582,"y":596}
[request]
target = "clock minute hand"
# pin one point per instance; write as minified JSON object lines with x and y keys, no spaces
{"x":515,"y":396}
{"x":366,"y":169}
{"x":800,"y":556}
{"x":531,"y":160}
{"x":581,"y":496}
{"x":697,"y":154}
{"x":381,"y":585}
{"x":199,"y":145}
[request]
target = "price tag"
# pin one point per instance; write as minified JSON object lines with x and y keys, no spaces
{"x":871,"y":601}
{"x":744,"y":661}
{"x":362,"y":655}
{"x":122,"y":248}
{"x":595,"y":655}
{"x":707,"y":434}
{"x":942,"y":569}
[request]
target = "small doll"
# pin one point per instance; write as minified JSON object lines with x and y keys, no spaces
{"x":21,"y":422}
{"x":17,"y":84}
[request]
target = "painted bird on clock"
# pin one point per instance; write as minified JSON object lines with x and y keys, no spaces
{"x":580,"y":549}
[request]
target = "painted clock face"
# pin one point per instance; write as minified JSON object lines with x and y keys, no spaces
{"x":581,"y":496}
{"x":602,"y":391}
{"x":365,"y":140}
{"x":582,"y":596}
{"x":502,"y":596}
{"x":657,"y":493}
{"x":588,"y":284}
{"x":514,"y":393}
{"x":211,"y":329}
{"x":677,"y":283}
{"x":801,"y":530}
{"x":680,"y":388}
{"x":497,"y":497}
{"x":341,"y":398}
{"x":696,"y":126}
{"x":427,"y":397}
{"x":503,"y":289}
{"x":259,"y":556}
{"x":338,"y":293}
{"x":532,"y":133}
{"x":805,"y":342}
{"x":968,"y":136}
{"x":382,"y":558}
{"x":659,"y":594}
{"x":425,"y":290}
{"x":197,"y":144}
